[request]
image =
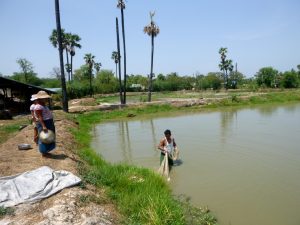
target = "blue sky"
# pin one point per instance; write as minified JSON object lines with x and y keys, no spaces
{"x":257,"y":33}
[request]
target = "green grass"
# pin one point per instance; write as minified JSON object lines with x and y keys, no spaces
{"x":6,"y":211}
{"x":7,"y":130}
{"x":155,"y":96}
{"x":158,"y":96}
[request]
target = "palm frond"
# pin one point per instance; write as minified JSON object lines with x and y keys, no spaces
{"x":121,"y":4}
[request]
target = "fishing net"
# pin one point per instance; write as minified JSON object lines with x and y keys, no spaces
{"x":164,"y":167}
{"x":174,"y":155}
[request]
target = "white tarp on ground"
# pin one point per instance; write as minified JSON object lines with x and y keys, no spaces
{"x":33,"y":185}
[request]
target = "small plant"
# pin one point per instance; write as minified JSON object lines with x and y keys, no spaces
{"x":196,"y":215}
{"x":234,"y":98}
{"x":6,"y":211}
{"x":143,"y":98}
{"x":86,"y":199}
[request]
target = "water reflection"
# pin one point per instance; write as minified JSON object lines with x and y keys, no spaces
{"x":227,"y":120}
{"x":125,"y":143}
{"x":290,"y":108}
{"x":126,"y":139}
{"x":153,"y":133}
{"x":267,"y":110}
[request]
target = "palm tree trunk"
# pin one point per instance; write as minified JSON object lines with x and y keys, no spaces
{"x":71,"y":67}
{"x":91,"y":88}
{"x":118,"y":45}
{"x":151,"y":69}
{"x":67,"y":57}
{"x":226,"y":80}
{"x":61,"y":59}
{"x":124,"y":50}
{"x":116,"y":71}
{"x":25,"y":76}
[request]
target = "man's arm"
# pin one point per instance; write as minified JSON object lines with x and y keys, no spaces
{"x":174,"y":143}
{"x":161,"y":145}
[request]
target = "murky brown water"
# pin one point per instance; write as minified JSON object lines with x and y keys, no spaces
{"x":243,"y":164}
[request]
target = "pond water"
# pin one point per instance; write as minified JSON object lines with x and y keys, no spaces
{"x":244,"y":164}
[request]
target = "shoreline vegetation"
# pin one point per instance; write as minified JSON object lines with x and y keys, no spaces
{"x":141,"y":195}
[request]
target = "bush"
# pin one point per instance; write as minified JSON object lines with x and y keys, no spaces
{"x":290,"y":79}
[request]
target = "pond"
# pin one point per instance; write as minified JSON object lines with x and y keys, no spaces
{"x":244,"y":164}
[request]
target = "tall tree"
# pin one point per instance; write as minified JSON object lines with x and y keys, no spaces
{"x":64,"y":40}
{"x":66,"y":45}
{"x":119,"y":54}
{"x":73,"y":43}
{"x":26,"y":68}
{"x":225,"y":65}
{"x":56,"y":73}
{"x":121,"y":6}
{"x":82,"y":74}
{"x":267,"y":77}
{"x":152,"y":30}
{"x":235,"y":78}
{"x":69,"y":43}
{"x":27,"y":75}
{"x":97,"y":67}
{"x":290,"y":79}
{"x":89,"y":60}
{"x":115,"y":57}
{"x":61,"y":59}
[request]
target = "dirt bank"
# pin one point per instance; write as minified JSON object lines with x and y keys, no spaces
{"x":75,"y":205}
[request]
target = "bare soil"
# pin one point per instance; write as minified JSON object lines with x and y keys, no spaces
{"x":73,"y":205}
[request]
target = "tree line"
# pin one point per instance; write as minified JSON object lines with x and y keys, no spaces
{"x":107,"y":81}
{"x":89,"y":79}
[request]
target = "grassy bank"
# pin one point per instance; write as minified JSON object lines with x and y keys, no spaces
{"x":141,"y":195}
{"x":9,"y":127}
{"x":160,"y":96}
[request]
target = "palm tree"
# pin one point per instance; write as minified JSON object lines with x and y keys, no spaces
{"x":74,"y":43}
{"x":89,"y":60}
{"x":61,"y":59}
{"x":54,"y":39}
{"x":152,"y":30}
{"x":119,"y":54}
{"x":64,"y":39}
{"x":97,"y":67}
{"x":116,"y":58}
{"x":66,"y":45}
{"x":121,"y":5}
{"x":69,"y":42}
{"x":225,"y":65}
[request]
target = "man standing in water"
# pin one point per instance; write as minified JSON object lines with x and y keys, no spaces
{"x":167,"y":145}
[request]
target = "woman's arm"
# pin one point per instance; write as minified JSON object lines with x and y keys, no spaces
{"x":32,"y":116}
{"x":40,"y":117}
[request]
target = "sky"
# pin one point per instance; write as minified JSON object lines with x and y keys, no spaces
{"x":257,"y":34}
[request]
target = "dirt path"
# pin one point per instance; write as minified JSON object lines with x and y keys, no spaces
{"x":72,"y":205}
